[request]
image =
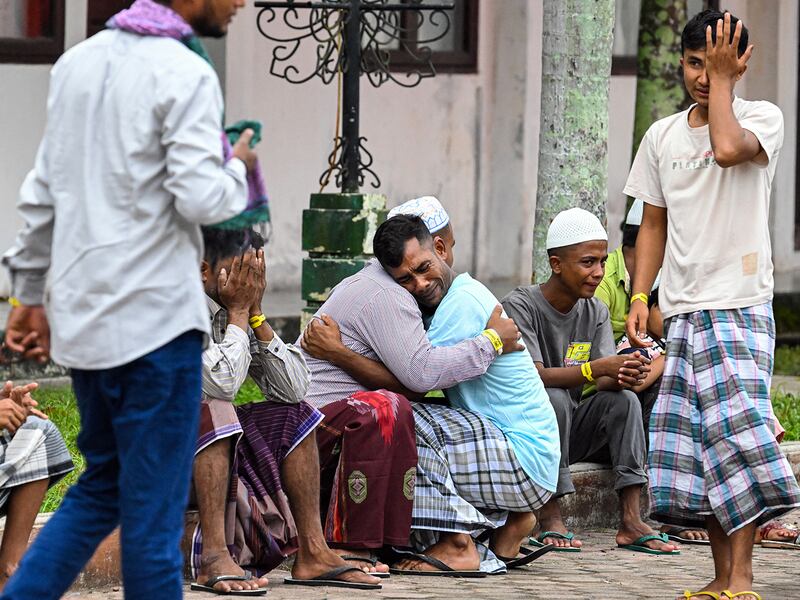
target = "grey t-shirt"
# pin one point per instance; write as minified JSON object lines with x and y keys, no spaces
{"x":556,"y":339}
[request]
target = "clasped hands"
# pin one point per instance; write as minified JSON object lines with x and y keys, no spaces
{"x":16,"y":405}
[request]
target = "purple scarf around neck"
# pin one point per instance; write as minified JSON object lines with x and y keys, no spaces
{"x":146,"y":17}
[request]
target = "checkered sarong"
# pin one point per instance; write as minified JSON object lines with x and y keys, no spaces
{"x":35,"y":451}
{"x":712,"y":444}
{"x":468,"y":476}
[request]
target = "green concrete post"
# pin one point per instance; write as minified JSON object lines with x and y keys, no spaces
{"x":337,"y":234}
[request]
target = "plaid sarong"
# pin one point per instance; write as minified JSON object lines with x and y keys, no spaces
{"x":712,"y":433}
{"x":259,"y":528}
{"x":468,"y":477}
{"x":35,"y":451}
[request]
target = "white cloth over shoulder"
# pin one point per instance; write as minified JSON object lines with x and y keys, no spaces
{"x":718,"y":253}
{"x":129,"y":167}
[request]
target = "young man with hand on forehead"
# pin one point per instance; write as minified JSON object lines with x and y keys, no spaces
{"x":705,"y":175}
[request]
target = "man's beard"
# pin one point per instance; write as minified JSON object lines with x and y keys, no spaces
{"x":204,"y":25}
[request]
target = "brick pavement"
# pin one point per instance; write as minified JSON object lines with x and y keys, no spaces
{"x":601,"y":571}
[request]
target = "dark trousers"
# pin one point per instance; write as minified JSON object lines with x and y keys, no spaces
{"x":605,"y":428}
{"x":138,"y":430}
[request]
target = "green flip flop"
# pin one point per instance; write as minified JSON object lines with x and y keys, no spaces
{"x":639,"y":545}
{"x":539,"y":543}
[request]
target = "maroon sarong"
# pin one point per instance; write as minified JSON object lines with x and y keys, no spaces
{"x":368,"y":461}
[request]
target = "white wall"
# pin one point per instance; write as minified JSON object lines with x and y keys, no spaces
{"x":459,"y":137}
{"x":772,"y":75}
{"x":23,"y":97}
{"x":621,"y":108}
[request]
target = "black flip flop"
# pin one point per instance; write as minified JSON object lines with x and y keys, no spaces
{"x":208,"y":586}
{"x":528,"y":556}
{"x":329,"y":579}
{"x":444,"y":569}
{"x":370,"y":560}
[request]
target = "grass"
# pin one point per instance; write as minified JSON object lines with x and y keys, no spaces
{"x":59,"y":404}
{"x":787,"y":360}
{"x":787,"y":410}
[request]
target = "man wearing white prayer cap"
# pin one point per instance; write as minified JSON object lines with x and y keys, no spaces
{"x":568,"y":334}
{"x":431,"y":211}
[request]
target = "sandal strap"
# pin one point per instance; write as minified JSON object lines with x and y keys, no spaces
{"x":555,"y":534}
{"x":433,"y":561}
{"x":366,"y":559}
{"x":334,"y":573}
{"x":660,"y":537}
{"x":215,"y":580}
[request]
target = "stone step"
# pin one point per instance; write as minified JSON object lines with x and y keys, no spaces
{"x":593,"y":506}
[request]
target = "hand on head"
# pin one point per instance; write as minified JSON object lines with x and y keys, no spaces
{"x":260,"y":276}
{"x":722,"y":57}
{"x":239,"y":290}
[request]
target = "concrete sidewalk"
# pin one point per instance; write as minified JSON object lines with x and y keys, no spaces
{"x":601,"y":571}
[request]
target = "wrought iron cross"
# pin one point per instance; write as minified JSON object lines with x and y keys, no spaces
{"x":353,"y":37}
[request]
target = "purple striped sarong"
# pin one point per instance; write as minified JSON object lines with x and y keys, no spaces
{"x":712,"y":432}
{"x":259,"y":529}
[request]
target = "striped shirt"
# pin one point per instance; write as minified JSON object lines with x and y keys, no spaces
{"x":380,"y":320}
{"x":278,"y":369}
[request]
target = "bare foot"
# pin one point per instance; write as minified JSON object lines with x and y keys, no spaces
{"x":456,"y":550}
{"x":629,"y":533}
{"x":213,"y":564}
{"x":309,"y":564}
{"x":690,"y":534}
{"x":365,"y":564}
{"x":550,"y":520}
{"x":775,"y":532}
{"x":506,"y":540}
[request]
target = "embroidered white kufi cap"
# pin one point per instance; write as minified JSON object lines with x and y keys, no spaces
{"x":574,"y":226}
{"x":427,"y":208}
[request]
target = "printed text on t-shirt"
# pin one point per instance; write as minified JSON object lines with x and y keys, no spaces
{"x":692,"y":164}
{"x":577,"y":353}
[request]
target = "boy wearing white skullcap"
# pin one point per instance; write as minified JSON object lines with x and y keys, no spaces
{"x":569,"y":336}
{"x":431,"y":211}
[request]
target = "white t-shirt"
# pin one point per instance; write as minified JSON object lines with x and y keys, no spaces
{"x":718,"y":253}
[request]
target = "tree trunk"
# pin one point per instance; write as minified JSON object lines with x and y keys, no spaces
{"x":573,"y":140}
{"x":659,"y":85}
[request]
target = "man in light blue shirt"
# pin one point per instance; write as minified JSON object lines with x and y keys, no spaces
{"x":511,"y":393}
{"x":499,"y":439}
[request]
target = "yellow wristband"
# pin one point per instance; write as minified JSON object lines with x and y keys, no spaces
{"x":586,"y":371}
{"x":14,"y":302}
{"x":640,"y":296}
{"x":497,"y":343}
{"x":257,"y":321}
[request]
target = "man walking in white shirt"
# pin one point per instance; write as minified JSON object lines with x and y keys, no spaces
{"x":106,"y":269}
